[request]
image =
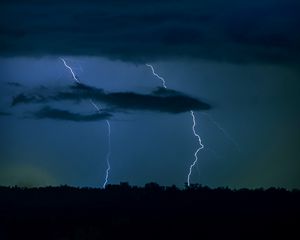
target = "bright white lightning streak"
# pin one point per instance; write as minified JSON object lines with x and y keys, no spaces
{"x":109,"y":145}
{"x":107,"y":155}
{"x":156,"y":75}
{"x":71,"y":70}
{"x":201,"y":146}
{"x":107,"y":122}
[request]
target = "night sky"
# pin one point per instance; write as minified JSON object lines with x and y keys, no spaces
{"x":234,"y":63}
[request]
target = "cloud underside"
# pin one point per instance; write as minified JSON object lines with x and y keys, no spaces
{"x":161,"y":100}
{"x":235,"y":31}
{"x":58,"y":114}
{"x":5,"y":113}
{"x":14,"y":84}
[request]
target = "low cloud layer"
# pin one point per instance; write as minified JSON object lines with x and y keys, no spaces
{"x":4,"y":113}
{"x":131,"y":30}
{"x":14,"y":84}
{"x":161,"y":100}
{"x":58,"y":114}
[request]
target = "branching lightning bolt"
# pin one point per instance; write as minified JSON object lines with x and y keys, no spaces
{"x":107,"y":122}
{"x":223,"y":130}
{"x":201,"y":146}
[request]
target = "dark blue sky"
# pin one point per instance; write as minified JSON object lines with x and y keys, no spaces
{"x":240,"y":59}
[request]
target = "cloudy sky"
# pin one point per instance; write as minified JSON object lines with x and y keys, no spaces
{"x":234,"y":63}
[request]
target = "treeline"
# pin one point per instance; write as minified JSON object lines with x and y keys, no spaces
{"x":147,"y":187}
{"x":90,"y":213}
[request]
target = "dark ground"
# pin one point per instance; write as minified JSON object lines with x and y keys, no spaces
{"x":152,"y":212}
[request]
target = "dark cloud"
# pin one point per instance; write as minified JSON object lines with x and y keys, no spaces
{"x":14,"y":84}
{"x":23,"y":98}
{"x":131,"y":30}
{"x":160,"y":100}
{"x":5,"y":114}
{"x":160,"y":91}
{"x":58,"y":114}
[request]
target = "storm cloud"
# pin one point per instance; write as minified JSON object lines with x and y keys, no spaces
{"x":234,"y":31}
{"x":160,"y":100}
{"x":59,"y":114}
{"x":14,"y":84}
{"x":4,"y":114}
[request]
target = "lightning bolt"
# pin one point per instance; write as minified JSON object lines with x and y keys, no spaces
{"x":201,"y":146}
{"x":223,"y":130}
{"x":109,"y":144}
{"x":156,"y":75}
{"x":107,"y":122}
{"x":107,"y":155}
{"x":71,"y":70}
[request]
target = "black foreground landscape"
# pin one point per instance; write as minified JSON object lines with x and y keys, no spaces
{"x":150,"y":212}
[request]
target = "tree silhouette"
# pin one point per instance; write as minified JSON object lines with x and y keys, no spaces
{"x":87,"y":213}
